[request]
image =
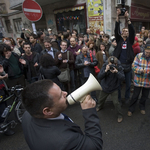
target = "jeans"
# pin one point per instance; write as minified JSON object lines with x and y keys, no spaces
{"x":136,"y":93}
{"x":128,"y":78}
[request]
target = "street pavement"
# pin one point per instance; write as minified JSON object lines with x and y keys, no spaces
{"x":133,"y":133}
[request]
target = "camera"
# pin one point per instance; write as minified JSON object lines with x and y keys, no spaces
{"x":112,"y":66}
{"x":123,"y":9}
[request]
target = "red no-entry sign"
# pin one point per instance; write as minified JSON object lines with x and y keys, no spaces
{"x":32,"y":10}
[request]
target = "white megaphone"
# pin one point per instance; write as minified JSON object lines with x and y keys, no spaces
{"x":78,"y":95}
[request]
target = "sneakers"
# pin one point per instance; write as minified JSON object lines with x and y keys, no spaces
{"x":143,"y":112}
{"x":129,"y":113}
{"x":119,"y":119}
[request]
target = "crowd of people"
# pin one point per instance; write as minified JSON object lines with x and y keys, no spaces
{"x":125,"y":56}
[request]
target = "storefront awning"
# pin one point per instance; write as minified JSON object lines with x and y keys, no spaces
{"x":68,"y":9}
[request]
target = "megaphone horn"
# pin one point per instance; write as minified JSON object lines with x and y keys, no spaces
{"x":90,"y":85}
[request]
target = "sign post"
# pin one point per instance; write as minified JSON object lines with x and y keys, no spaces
{"x":32,"y":11}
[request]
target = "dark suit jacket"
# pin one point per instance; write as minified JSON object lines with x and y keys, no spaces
{"x":62,"y":134}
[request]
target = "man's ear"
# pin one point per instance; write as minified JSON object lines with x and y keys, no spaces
{"x":47,"y":111}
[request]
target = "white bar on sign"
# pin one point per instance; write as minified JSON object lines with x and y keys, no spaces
{"x":32,"y":10}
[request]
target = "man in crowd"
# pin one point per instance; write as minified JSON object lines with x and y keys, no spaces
{"x":141,"y":68}
{"x":106,"y":41}
{"x":110,"y":76}
{"x":62,"y":61}
{"x":86,"y":66}
{"x":40,"y":38}
{"x":45,"y":126}
{"x":49,"y":49}
{"x":124,"y":51}
{"x":12,"y":66}
{"x":35,"y":47}
{"x":30,"y":62}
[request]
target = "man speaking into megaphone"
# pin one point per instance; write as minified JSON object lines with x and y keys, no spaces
{"x":46,"y":127}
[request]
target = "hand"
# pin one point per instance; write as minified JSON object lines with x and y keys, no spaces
{"x":7,"y":54}
{"x":22,"y":61}
{"x":126,"y":15}
{"x":86,"y":63}
{"x":88,"y":103}
{"x":114,"y":71}
{"x":77,"y":53}
{"x":1,"y":68}
{"x":107,"y":68}
{"x":60,"y":56}
{"x":65,"y":61}
{"x":3,"y":77}
{"x":36,"y":64}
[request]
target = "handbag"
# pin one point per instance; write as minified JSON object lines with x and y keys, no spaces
{"x":126,"y":67}
{"x":96,"y":69}
{"x":65,"y":75}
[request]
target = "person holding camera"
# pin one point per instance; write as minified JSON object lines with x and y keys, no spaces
{"x":141,"y":68}
{"x":110,"y":76}
{"x":124,"y":51}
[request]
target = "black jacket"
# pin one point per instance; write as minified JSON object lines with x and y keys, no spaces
{"x":110,"y":81}
{"x":36,"y":48}
{"x":130,"y":41}
{"x":27,"y":69}
{"x":5,"y":63}
{"x":79,"y":64}
{"x":51,"y":73}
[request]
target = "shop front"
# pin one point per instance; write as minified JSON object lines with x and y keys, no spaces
{"x":72,"y":18}
{"x":140,"y":16}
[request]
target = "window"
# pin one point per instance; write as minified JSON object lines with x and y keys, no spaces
{"x":9,"y":27}
{"x":18,"y":24}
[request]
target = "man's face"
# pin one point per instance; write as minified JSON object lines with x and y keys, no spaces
{"x":84,"y":50}
{"x":88,"y":31}
{"x":27,"y":49}
{"x":125,"y":32}
{"x":102,"y":47}
{"x":32,"y":40}
{"x":59,"y":100}
{"x":105,"y":39}
{"x":102,"y":33}
{"x":63,"y":46}
{"x":147,"y":52}
{"x":72,"y":42}
{"x":138,"y":35}
{"x":47,"y":45}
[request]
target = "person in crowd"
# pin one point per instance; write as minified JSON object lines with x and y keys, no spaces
{"x":106,"y":41}
{"x":111,"y":75}
{"x":138,"y":35}
{"x":10,"y":62}
{"x":140,"y":41}
{"x":141,"y":68}
{"x":91,"y":46}
{"x":88,"y":31}
{"x":49,"y":31}
{"x":85,"y":39}
{"x":148,"y":38}
{"x":54,"y":42}
{"x":60,"y":33}
{"x":62,"y":61}
{"x":80,"y":40}
{"x":102,"y":55}
{"x":68,"y":30}
{"x":44,"y":120}
{"x":75,"y":36}
{"x":112,"y":47}
{"x":40,"y":38}
{"x":99,"y":39}
{"x":86,"y":66}
{"x":14,"y":48}
{"x":136,"y":47}
{"x":49,"y":70}
{"x":67,"y":38}
{"x":124,"y":51}
{"x":30,"y":62}
{"x":25,"y":34}
{"x":76,"y":50}
{"x":142,"y":32}
{"x":145,"y":36}
{"x":75,"y":32}
{"x":35,"y":47}
{"x":48,"y":48}
{"x":21,"y":41}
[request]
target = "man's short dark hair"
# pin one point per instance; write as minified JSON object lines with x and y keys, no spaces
{"x":39,"y":33}
{"x":35,"y":97}
{"x":63,"y":41}
{"x":66,"y":35}
{"x":34,"y":35}
{"x":26,"y":43}
{"x":106,"y":35}
{"x":4,"y":48}
{"x":114,"y":58}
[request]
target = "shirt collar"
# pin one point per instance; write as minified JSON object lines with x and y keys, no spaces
{"x":61,"y":116}
{"x":50,"y":49}
{"x":63,"y":51}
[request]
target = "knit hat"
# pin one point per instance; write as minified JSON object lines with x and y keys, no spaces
{"x":136,"y":39}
